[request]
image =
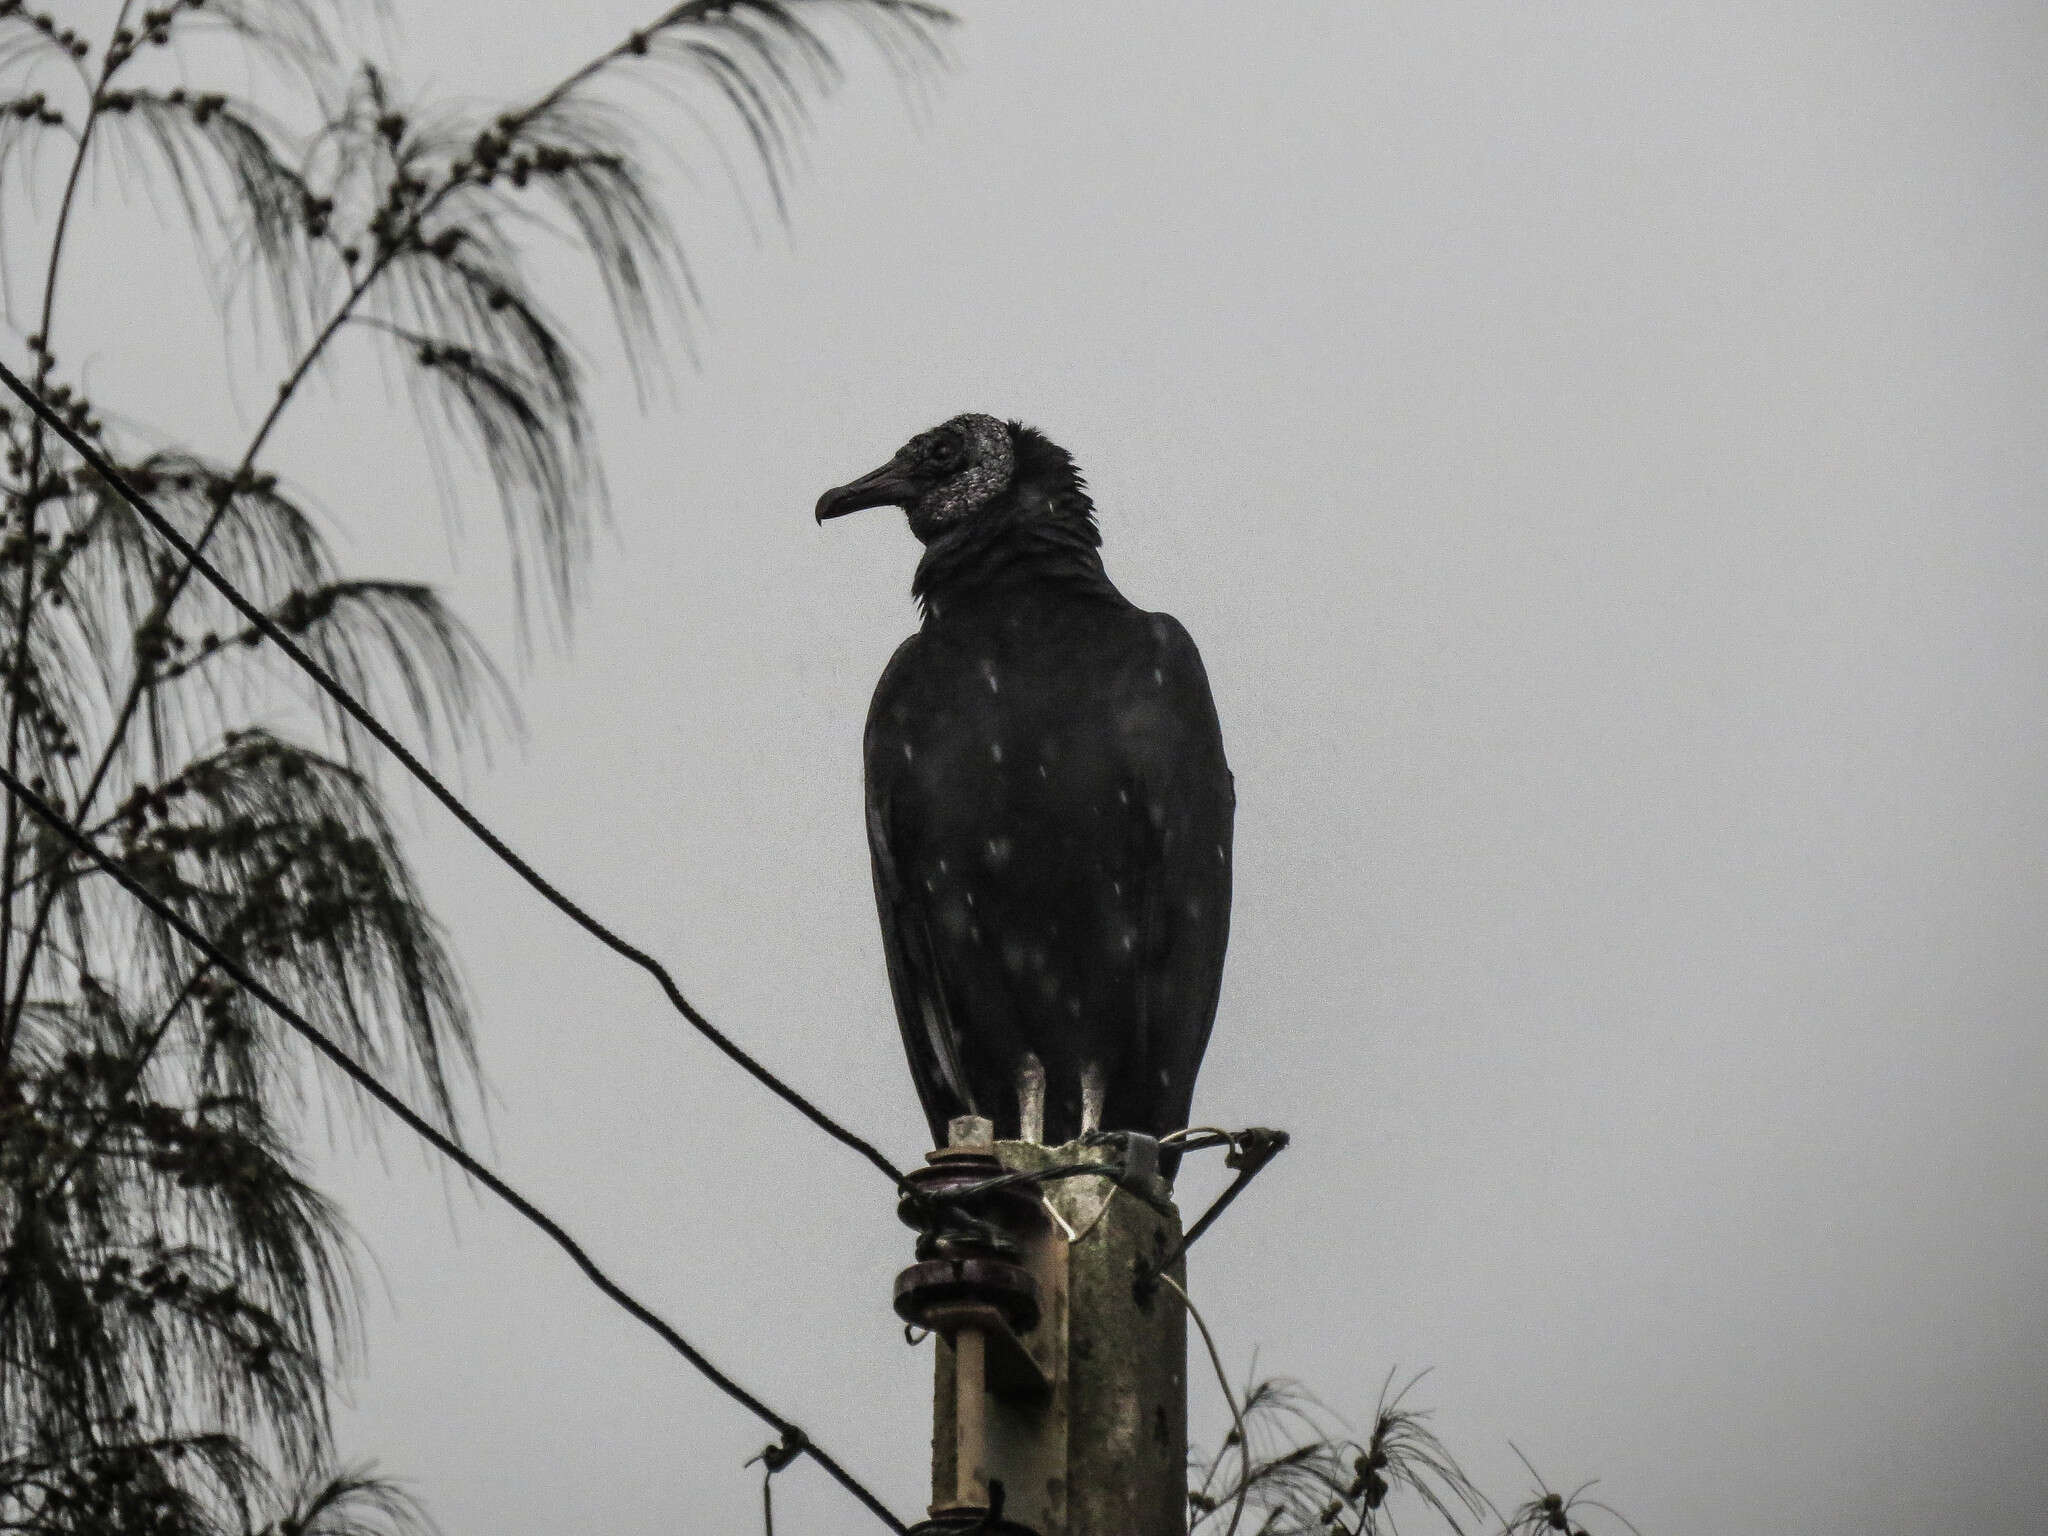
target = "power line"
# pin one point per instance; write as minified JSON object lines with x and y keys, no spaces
{"x":794,"y":1440}
{"x":412,"y":765}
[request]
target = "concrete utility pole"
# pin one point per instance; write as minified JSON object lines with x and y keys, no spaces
{"x":1059,"y":1401}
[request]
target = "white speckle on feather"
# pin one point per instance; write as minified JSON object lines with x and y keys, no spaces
{"x":909,"y":753}
{"x":1123,"y":797}
{"x":1041,"y":770}
{"x":941,"y":1039}
{"x":942,"y":866}
{"x":1158,"y":678}
{"x":1222,"y":854}
{"x":988,"y":671}
{"x":1074,"y":1007}
{"x":998,"y":849}
{"x":995,"y":751}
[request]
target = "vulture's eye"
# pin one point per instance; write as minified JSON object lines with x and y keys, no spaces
{"x":944,"y":453}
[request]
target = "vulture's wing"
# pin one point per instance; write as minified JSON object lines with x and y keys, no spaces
{"x":925,"y":1012}
{"x":1183,"y":805}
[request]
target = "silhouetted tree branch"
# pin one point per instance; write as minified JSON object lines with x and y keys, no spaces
{"x":174,"y":1295}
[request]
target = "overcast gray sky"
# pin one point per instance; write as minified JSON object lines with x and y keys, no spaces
{"x":1601,"y":450}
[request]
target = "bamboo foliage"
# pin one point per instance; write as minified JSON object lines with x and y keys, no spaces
{"x":175,"y":1296}
{"x":1296,"y":1471}
{"x":1298,"y":1474}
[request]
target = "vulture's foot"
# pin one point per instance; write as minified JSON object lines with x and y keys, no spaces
{"x":1031,"y":1100}
{"x":1092,"y":1089}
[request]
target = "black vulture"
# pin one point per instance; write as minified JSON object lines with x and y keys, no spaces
{"x":1048,"y":805}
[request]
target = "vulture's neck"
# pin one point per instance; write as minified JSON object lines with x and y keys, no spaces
{"x":993,"y":559}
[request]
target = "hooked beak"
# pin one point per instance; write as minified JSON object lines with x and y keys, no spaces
{"x":889,"y":486}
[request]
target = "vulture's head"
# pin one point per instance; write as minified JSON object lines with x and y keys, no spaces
{"x":972,"y":470}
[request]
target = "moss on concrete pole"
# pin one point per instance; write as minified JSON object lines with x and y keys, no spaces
{"x":1103,"y":1451}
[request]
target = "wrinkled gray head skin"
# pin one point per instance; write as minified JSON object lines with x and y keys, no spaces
{"x":939,"y":477}
{"x":990,"y":462}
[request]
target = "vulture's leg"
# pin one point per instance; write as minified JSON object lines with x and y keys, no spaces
{"x":1031,"y":1099}
{"x":1091,"y":1098}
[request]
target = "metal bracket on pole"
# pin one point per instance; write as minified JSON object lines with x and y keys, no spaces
{"x":1250,"y":1151}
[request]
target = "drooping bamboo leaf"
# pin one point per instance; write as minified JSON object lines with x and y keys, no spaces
{"x":174,"y":1295}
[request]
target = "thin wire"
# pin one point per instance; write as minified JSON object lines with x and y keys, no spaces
{"x":1244,"y":1444}
{"x":952,"y":1203}
{"x":773,"y":1459}
{"x":412,"y":765}
{"x":1197,"y":1137}
{"x":1034,"y":1176}
{"x":792,"y":1436}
